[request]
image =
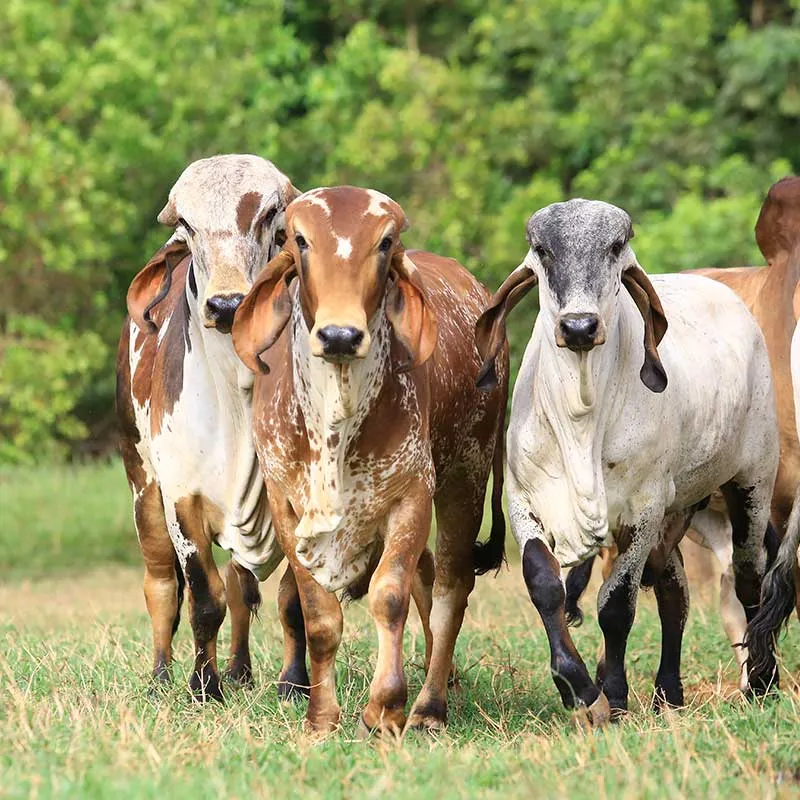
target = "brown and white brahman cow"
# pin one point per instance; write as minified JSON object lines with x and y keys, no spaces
{"x":365,"y":415}
{"x":183,"y":402}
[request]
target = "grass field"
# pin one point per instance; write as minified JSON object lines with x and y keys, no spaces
{"x":77,"y":720}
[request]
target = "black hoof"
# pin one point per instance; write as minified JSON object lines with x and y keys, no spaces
{"x":667,"y":696}
{"x":294,"y":685}
{"x":240,"y":674}
{"x":205,"y":687}
{"x":161,"y":675}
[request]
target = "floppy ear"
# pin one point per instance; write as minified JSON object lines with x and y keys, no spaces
{"x":644,"y":295}
{"x":409,"y":312}
{"x":490,"y":329}
{"x":264,"y":312}
{"x":153,"y":283}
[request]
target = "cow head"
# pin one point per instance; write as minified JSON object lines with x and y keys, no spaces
{"x":228,"y":213}
{"x":343,"y":246}
{"x":778,"y":225}
{"x":579,"y":254}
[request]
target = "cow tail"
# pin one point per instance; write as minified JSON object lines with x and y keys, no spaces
{"x":777,"y":597}
{"x":577,"y":580}
{"x":181,"y":586}
{"x":491,"y":554}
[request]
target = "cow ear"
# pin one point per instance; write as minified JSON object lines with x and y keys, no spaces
{"x":153,"y":283}
{"x":490,"y":329}
{"x":169,"y":214}
{"x":410,"y":313}
{"x":264,"y":312}
{"x":635,"y":280}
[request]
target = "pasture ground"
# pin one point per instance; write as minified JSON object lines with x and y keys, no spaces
{"x":77,"y":719}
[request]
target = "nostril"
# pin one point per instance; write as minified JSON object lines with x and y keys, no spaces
{"x":340,"y":340}
{"x":221,"y":308}
{"x":579,"y":330}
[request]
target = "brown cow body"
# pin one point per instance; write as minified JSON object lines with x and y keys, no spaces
{"x":355,"y":449}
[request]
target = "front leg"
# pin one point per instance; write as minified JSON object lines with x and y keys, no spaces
{"x":543,"y":580}
{"x":206,"y":591}
{"x":407,"y":528}
{"x":322,"y":615}
{"x":542,"y":575}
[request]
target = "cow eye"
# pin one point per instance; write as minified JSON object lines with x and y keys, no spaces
{"x":541,"y":252}
{"x":270,"y":216}
{"x":186,"y":226}
{"x":386,"y":244}
{"x":280,"y":238}
{"x":301,"y":242}
{"x":616,"y":248}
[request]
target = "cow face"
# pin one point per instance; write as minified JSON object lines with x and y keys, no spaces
{"x":343,"y":246}
{"x":228,"y":212}
{"x":580,"y":255}
{"x":578,"y":251}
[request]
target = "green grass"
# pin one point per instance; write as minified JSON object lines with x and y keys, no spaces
{"x":58,"y":519}
{"x":77,"y":720}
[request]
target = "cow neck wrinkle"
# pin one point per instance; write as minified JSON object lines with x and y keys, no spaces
{"x":335,"y":399}
{"x":232,"y":382}
{"x":572,"y":393}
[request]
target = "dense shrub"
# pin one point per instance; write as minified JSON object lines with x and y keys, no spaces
{"x":471,"y":114}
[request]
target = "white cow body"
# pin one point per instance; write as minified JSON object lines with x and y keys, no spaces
{"x":591,"y":449}
{"x":205,"y":447}
{"x":636,"y":399}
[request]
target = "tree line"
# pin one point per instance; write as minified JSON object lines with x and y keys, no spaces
{"x":471,"y":113}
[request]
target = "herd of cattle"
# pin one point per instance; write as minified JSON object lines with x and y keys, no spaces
{"x":293,"y":383}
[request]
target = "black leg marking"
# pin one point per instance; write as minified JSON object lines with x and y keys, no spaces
{"x":542,"y":578}
{"x":672,"y":596}
{"x":577,"y":580}
{"x":616,"y":615}
{"x":294,"y":682}
{"x":747,"y":542}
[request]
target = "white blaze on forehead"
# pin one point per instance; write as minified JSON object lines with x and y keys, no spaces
{"x":379,"y":204}
{"x":344,"y":247}
{"x":315,"y":198}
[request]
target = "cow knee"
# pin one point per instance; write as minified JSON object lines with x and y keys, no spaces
{"x":323,"y":632}
{"x":388,"y":603}
{"x":542,"y":580}
{"x":208,"y":603}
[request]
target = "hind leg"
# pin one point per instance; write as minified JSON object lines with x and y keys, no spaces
{"x":672,"y":596}
{"x":161,"y":586}
{"x":714,"y":530}
{"x":422,"y":593}
{"x":458,"y":523}
{"x":459,"y":513}
{"x":244,"y":598}
{"x":748,"y":508}
{"x":293,"y":682}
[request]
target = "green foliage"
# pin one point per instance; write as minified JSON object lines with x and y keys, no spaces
{"x":471,"y":114}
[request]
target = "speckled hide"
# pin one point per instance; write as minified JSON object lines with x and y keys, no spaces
{"x":184,"y":403}
{"x":356,"y":447}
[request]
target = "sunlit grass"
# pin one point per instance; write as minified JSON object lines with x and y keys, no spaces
{"x":77,"y":718}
